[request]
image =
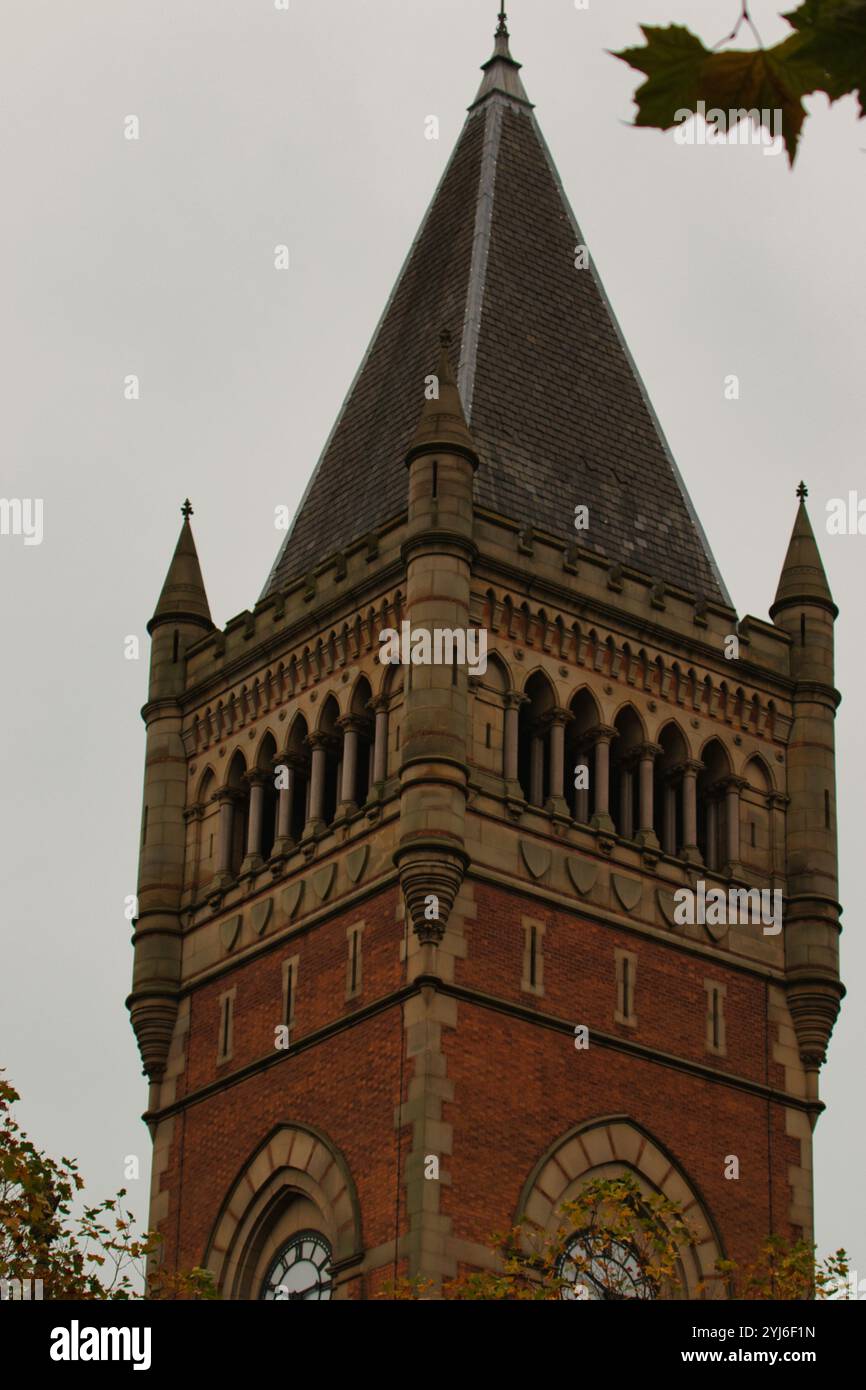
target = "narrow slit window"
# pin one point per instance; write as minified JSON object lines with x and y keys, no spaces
{"x":290,"y":990}
{"x":354,"y":971}
{"x":226,"y":1027}
{"x":435,"y":477}
{"x":626,"y":977}
{"x":488,"y":735}
{"x":533,"y":956}
{"x":802,"y":629}
{"x":716,"y":1028}
{"x":175,"y":645}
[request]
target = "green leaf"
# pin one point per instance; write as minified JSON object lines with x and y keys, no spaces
{"x":681,"y":72}
{"x":673,"y":62}
{"x":832,"y":45}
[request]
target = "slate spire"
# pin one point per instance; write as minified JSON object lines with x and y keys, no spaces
{"x":557,"y":412}
{"x":183,"y":594}
{"x":803,"y":578}
{"x":443,"y":424}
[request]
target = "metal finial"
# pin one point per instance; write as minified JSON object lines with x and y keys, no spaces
{"x":503,"y":23}
{"x":802,"y":491}
{"x":186,"y":510}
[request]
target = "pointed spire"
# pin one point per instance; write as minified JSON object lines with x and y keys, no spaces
{"x":501,"y":72}
{"x":803,"y":578}
{"x":183,"y":594}
{"x":443,"y":424}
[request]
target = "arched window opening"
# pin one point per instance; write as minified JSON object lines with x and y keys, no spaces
{"x":580,"y":756}
{"x":668,"y":789}
{"x":240,"y":812}
{"x":358,"y":740}
{"x":624,"y":774}
{"x":755,"y":816}
{"x":533,"y":740}
{"x":270,"y":797}
{"x":713,"y":806}
{"x":327,"y":767}
{"x":208,"y":829}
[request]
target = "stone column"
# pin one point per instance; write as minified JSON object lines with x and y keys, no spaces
{"x":690,"y":848}
{"x":513,"y":701}
{"x":253,"y":859}
{"x":732,"y":788}
{"x":379,"y":707}
{"x":557,"y":720}
{"x":226,"y":802}
{"x":712,"y":833}
{"x":316,"y":814}
{"x":647,"y":754}
{"x":285,"y":794}
{"x":626,"y":801}
{"x":669,"y":828}
{"x":581,"y":795}
{"x":351,"y":727}
{"x":536,"y":768}
{"x":602,"y":736}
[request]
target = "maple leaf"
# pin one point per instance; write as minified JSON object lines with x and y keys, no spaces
{"x":830,"y":45}
{"x":681,"y":72}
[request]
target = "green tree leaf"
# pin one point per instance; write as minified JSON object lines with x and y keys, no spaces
{"x":831,"y":46}
{"x":754,"y":83}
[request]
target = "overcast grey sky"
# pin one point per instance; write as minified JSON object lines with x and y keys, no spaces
{"x":155,"y":257}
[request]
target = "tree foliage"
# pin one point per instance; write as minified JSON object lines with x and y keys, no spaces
{"x":91,"y":1253}
{"x":826,"y":52}
{"x":622,"y":1243}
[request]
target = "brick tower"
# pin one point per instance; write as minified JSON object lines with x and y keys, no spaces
{"x":378,"y":898}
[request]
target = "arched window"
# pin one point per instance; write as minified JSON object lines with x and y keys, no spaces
{"x":361,"y":728}
{"x":327,"y":765}
{"x":580,"y":755}
{"x":668,"y":789}
{"x":265,"y":763}
{"x":291,"y":1219}
{"x":624,"y":778}
{"x":297,"y":762}
{"x":208,"y":829}
{"x":755,"y":839}
{"x":239,"y":787}
{"x":712,"y":805}
{"x":533,"y":741}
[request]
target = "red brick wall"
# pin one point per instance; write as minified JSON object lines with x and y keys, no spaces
{"x":518,"y":1086}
